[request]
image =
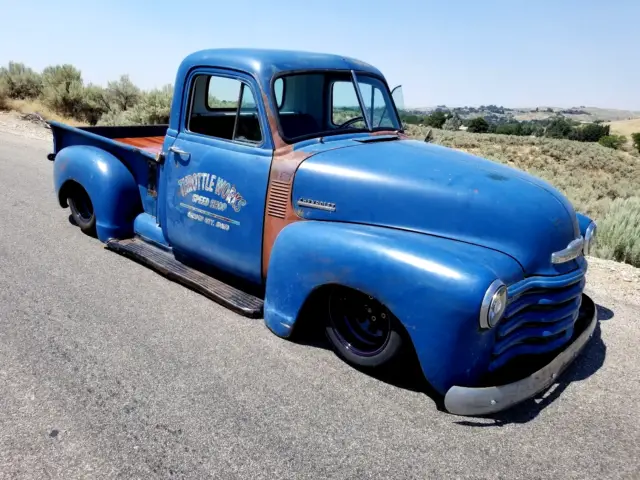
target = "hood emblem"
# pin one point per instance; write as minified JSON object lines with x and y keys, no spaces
{"x":319,"y":204}
{"x":571,"y":252}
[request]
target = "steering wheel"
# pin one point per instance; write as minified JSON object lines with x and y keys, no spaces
{"x":349,"y":122}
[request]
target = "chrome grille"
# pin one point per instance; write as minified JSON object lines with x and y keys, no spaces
{"x":540,"y":317}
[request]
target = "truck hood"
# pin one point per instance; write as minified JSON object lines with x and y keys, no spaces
{"x":426,"y":188}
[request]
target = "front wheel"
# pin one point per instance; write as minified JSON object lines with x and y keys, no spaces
{"x":82,"y":210}
{"x":361,"y":329}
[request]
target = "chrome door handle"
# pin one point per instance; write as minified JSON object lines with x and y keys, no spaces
{"x":178,"y":151}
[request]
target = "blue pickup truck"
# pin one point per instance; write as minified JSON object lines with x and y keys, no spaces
{"x":284,"y":180}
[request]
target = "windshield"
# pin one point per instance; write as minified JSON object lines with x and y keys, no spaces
{"x":331,"y":103}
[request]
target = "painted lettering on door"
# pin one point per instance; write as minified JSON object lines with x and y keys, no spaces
{"x":202,"y":183}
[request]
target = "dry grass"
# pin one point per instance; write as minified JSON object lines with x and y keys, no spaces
{"x":625,"y":127}
{"x":593,"y":177}
{"x":34,"y":106}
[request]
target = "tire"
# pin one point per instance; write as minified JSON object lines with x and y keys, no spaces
{"x":361,"y":330}
{"x":82,"y":210}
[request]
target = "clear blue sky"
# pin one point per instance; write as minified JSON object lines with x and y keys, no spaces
{"x":454,"y":52}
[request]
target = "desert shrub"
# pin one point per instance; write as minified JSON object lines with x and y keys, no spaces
{"x":63,"y":91}
{"x":618,"y":236}
{"x":94,"y":105}
{"x":20,"y":81}
{"x":635,"y":137}
{"x":153,"y":107}
{"x":4,"y":97}
{"x":613,"y":141}
{"x":122,"y":93}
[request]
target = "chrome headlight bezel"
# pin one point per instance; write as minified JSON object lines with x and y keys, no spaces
{"x":494,"y":304}
{"x":589,"y":238}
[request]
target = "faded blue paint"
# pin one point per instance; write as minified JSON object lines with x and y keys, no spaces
{"x":135,"y":160}
{"x":110,"y":185}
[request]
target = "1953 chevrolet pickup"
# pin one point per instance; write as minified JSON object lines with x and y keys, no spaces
{"x":284,"y":178}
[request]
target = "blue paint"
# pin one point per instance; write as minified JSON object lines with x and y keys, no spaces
{"x":422,"y":228}
{"x":110,"y":185}
{"x":434,"y":286}
{"x":146,"y":226}
{"x":135,"y":160}
{"x":425,"y":188}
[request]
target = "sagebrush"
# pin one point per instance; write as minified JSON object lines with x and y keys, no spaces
{"x":59,"y":92}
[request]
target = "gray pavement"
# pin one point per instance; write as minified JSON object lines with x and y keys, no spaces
{"x":108,"y":370}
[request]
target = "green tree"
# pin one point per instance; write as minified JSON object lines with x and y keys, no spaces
{"x":558,"y":128}
{"x":613,"y":141}
{"x":478,"y":125}
{"x":436,"y":119}
{"x":635,"y":137}
{"x":591,"y":132}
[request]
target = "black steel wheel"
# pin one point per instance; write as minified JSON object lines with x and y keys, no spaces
{"x":82,"y":210}
{"x":361,"y":329}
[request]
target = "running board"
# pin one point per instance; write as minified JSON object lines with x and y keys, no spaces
{"x":163,"y":261}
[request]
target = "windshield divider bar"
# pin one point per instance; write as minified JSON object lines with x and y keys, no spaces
{"x":360,"y":100}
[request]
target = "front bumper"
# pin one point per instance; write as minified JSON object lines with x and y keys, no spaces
{"x":486,"y":400}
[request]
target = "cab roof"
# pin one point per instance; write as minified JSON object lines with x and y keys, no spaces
{"x":264,"y":63}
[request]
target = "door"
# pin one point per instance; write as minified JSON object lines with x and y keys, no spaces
{"x":216,"y":174}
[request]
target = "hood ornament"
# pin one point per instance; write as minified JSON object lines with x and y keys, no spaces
{"x":573,"y":250}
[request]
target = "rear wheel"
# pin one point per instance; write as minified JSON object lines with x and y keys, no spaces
{"x":82,"y":210}
{"x":361,"y":329}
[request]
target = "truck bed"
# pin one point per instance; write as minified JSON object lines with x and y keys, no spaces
{"x":135,"y":146}
{"x":148,"y":144}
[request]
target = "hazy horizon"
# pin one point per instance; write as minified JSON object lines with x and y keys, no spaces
{"x":462,"y":54}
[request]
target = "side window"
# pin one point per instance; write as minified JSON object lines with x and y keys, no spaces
{"x":224,"y":108}
{"x":345,"y":106}
{"x":278,"y":88}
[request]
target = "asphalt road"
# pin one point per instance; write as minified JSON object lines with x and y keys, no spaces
{"x":108,"y":370}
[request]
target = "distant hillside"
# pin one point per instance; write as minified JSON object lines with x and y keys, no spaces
{"x":599,"y":181}
{"x":499,"y":114}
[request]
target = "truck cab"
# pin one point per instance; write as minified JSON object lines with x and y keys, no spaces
{"x":285,"y":179}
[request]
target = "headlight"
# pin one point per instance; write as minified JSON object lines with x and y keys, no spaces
{"x":494,"y":304}
{"x":589,"y":238}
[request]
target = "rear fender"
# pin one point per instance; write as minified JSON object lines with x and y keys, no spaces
{"x":110,"y":185}
{"x":434,"y":286}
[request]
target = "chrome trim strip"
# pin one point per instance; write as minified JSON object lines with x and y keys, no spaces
{"x":320,"y":205}
{"x":482,"y":401}
{"x":571,"y":252}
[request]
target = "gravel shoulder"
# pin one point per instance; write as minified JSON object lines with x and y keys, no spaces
{"x":108,"y":370}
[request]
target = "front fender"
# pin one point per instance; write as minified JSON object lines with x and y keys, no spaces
{"x":110,"y":185}
{"x":434,"y":286}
